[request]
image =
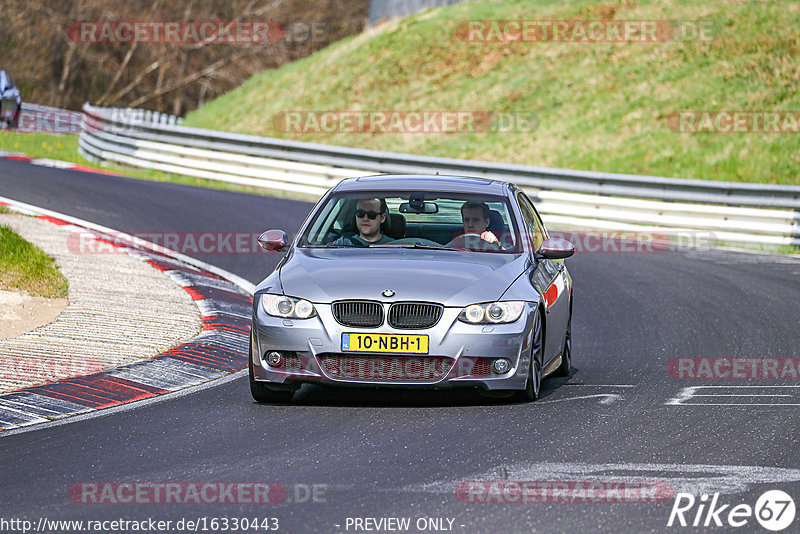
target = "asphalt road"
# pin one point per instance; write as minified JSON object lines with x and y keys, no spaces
{"x":381,"y":454}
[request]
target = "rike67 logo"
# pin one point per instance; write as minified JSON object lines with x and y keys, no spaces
{"x":774,"y":510}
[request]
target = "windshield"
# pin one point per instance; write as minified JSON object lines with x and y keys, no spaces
{"x":415,"y":219}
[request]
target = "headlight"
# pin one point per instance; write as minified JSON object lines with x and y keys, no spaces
{"x":492,"y":312}
{"x":288,"y":307}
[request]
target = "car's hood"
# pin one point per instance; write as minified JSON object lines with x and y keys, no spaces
{"x":448,"y":277}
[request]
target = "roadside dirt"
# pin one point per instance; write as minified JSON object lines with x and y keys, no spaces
{"x":21,"y":313}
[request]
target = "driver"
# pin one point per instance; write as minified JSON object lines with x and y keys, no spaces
{"x":370,"y":214}
{"x":475,"y":216}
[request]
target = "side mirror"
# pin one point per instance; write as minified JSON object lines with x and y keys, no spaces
{"x":555,"y":248}
{"x":273,"y":240}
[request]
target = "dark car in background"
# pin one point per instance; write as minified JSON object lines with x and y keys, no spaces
{"x":10,"y":101}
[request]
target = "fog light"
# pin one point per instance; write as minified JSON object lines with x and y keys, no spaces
{"x":274,"y":359}
{"x":501,"y":366}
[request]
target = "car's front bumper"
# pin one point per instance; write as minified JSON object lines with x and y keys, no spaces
{"x":459,"y":354}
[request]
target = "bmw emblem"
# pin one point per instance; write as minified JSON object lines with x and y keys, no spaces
{"x":388,"y":293}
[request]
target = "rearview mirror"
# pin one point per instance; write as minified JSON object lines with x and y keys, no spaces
{"x":273,"y":240}
{"x":555,"y":248}
{"x":423,"y":207}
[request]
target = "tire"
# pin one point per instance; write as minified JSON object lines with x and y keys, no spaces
{"x":566,"y":353}
{"x":533,"y":384}
{"x":261,"y":392}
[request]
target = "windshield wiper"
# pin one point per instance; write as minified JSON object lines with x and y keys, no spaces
{"x":413,"y":245}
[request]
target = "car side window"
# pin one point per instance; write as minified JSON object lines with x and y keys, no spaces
{"x":538,"y":222}
{"x":533,"y":225}
{"x":325,"y":223}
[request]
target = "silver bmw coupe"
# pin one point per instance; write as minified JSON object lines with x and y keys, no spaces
{"x":414,"y":281}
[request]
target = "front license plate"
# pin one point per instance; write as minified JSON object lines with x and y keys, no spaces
{"x":408,"y":344}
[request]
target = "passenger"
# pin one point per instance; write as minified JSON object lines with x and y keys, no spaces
{"x":370,"y":214}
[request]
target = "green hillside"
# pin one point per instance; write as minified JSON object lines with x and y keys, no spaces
{"x":599,"y":106}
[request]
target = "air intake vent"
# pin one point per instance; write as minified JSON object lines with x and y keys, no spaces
{"x":358,"y":313}
{"x":414,"y":315}
{"x":388,"y":368}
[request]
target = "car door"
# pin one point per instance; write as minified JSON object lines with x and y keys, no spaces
{"x":550,"y":278}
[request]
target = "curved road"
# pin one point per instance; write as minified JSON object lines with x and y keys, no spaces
{"x":381,"y":454}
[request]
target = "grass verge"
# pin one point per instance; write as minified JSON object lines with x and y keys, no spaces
{"x":24,"y":267}
{"x":600,"y":106}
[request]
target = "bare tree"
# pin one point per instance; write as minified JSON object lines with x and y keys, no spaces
{"x":55,"y":67}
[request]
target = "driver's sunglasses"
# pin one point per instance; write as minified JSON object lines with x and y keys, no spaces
{"x":371,"y":214}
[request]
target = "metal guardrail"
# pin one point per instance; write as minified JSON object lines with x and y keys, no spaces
{"x":579,"y":199}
